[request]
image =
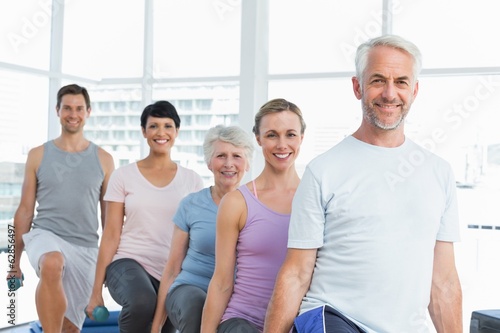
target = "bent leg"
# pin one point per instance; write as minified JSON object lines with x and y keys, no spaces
{"x":49,"y":297}
{"x":135,"y":290}
{"x":55,"y":259}
{"x":184,"y":305}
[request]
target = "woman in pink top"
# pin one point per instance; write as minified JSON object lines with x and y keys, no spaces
{"x":142,"y":198}
{"x":252,"y":227}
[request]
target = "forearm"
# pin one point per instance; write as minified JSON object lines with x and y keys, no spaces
{"x":104,"y":258}
{"x":107,"y":251}
{"x":292,"y":283}
{"x":18,"y":248}
{"x":22,"y":225}
{"x":160,"y":315}
{"x":159,"y":319}
{"x":284,"y":305}
{"x":215,"y":305}
{"x":445,"y":307}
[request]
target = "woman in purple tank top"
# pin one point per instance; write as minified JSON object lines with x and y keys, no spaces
{"x":252,"y":227}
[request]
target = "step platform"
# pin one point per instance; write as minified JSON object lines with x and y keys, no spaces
{"x":89,"y":326}
{"x":485,"y":321}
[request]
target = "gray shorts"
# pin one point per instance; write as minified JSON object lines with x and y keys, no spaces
{"x":79,"y":268}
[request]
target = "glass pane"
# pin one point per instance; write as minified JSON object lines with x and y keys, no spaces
{"x":101,"y":41}
{"x":451,"y":33}
{"x":25,"y":27}
{"x":319,"y":35}
{"x":196,"y":38}
{"x":200,"y":107}
{"x":23,"y":119}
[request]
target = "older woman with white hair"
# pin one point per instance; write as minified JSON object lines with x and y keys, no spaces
{"x":183,"y":288}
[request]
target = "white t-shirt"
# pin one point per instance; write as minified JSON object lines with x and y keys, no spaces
{"x":374,"y":214}
{"x":148,"y":227}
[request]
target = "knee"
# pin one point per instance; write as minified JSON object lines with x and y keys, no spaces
{"x":51,"y":265}
{"x":187,"y":310}
{"x":195,"y":299}
{"x":199,"y":298}
{"x":195,"y":305}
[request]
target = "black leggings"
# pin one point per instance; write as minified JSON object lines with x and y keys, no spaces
{"x":135,"y":290}
{"x":184,"y":305}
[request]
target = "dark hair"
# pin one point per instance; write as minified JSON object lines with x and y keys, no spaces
{"x":73,"y":89}
{"x":274,"y":106}
{"x":160,"y":109}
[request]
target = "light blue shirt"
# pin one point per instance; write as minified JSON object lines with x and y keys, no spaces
{"x":196,"y":215}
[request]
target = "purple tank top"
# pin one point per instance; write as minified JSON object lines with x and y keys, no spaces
{"x":261,"y":249}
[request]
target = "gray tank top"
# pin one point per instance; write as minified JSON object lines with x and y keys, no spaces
{"x":68,"y":189}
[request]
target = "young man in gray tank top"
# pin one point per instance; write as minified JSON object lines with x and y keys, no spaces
{"x":67,"y":177}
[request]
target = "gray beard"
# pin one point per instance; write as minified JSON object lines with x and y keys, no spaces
{"x":371,"y":117}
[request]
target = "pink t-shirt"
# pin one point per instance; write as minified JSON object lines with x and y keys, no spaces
{"x":148,"y":226}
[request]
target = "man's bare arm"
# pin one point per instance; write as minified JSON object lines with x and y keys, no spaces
{"x":23,"y":217}
{"x":445,"y":306}
{"x":291,"y":285}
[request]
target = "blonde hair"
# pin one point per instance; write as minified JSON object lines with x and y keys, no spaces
{"x":277,"y":105}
